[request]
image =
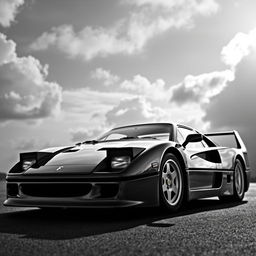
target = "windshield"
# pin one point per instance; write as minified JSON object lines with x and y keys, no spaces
{"x":144,"y":131}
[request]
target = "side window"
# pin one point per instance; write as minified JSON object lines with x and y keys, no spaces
{"x":182,"y":135}
{"x":180,"y":138}
{"x":205,"y":144}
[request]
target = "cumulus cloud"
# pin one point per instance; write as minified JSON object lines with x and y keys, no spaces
{"x":24,"y":92}
{"x":8,"y":11}
{"x":126,"y":36}
{"x":239,"y":54}
{"x":87,"y":101}
{"x":239,"y":47}
{"x":185,"y":102}
{"x":205,"y":7}
{"x":140,"y":85}
{"x":7,"y":50}
{"x":201,"y":88}
{"x":87,"y":43}
{"x":204,"y":87}
{"x":133,"y":110}
{"x":141,"y":100}
{"x":105,"y":76}
{"x":83,"y":134}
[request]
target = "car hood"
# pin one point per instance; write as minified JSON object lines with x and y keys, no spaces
{"x":85,"y":157}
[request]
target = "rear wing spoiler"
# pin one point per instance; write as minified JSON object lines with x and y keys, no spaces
{"x":229,"y":139}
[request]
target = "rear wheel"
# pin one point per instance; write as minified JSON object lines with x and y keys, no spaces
{"x":238,"y":181}
{"x":171,"y":183}
{"x":238,"y":184}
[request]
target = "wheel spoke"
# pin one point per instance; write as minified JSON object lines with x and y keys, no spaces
{"x":169,"y":195}
{"x":168,"y":168}
{"x":174,"y":188}
{"x":174,"y":175}
{"x":164,"y":186}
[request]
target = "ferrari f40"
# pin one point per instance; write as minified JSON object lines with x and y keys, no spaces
{"x":157,"y":164}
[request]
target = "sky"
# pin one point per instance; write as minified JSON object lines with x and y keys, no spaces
{"x":70,"y":70}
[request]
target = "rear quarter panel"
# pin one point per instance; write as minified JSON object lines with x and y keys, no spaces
{"x":228,"y":156}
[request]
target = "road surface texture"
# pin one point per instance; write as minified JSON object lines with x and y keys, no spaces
{"x":206,"y":227}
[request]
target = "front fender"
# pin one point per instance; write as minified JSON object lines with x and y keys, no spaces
{"x":149,"y":161}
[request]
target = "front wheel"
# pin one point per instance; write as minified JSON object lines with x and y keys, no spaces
{"x":171,"y":183}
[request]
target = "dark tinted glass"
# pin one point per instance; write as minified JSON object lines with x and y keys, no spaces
{"x":158,"y":131}
{"x":227,"y":140}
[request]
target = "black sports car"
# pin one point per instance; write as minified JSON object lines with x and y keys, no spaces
{"x":138,"y":165}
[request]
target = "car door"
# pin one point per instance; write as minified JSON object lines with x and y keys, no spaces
{"x":202,"y":161}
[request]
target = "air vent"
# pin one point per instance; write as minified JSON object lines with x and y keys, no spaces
{"x":56,"y":190}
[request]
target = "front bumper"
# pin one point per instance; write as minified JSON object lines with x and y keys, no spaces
{"x":110,"y":193}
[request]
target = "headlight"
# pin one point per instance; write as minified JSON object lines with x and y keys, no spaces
{"x":26,"y":164}
{"x":120,"y":162}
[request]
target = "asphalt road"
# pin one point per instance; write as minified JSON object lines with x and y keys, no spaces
{"x":206,"y":227}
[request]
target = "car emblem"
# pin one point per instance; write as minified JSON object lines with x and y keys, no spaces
{"x":59,"y":168}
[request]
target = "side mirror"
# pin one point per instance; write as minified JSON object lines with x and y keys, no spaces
{"x":195,"y":137}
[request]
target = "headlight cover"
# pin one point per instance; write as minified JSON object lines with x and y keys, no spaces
{"x":120,"y":162}
{"x":26,"y":164}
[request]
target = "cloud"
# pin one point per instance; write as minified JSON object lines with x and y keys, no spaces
{"x":87,"y":43}
{"x":87,"y":101}
{"x":24,"y":92}
{"x":126,"y":36}
{"x":236,"y":103}
{"x":134,"y":110}
{"x":201,"y":88}
{"x":206,"y":90}
{"x":105,"y":76}
{"x":8,"y":11}
{"x":30,"y":144}
{"x":140,"y":100}
{"x":240,"y":54}
{"x":239,"y":47}
{"x":140,"y":85}
{"x":82,"y":134}
{"x":24,"y":144}
{"x":7,"y":50}
{"x":206,"y":7}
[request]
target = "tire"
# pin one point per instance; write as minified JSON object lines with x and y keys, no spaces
{"x":238,"y":184}
{"x":172,"y":184}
